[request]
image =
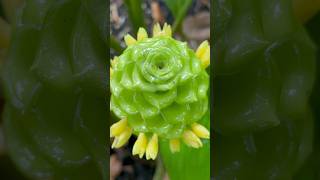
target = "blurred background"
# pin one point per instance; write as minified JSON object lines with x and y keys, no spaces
{"x":8,"y":10}
{"x":53,"y":123}
{"x":266,"y":89}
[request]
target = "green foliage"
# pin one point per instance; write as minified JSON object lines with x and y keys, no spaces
{"x":264,"y":74}
{"x":311,"y":167}
{"x":115,"y":45}
{"x":189,"y":163}
{"x":179,"y":10}
{"x":54,"y":81}
{"x":1,"y":11}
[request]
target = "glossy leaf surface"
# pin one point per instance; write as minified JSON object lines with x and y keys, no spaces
{"x":55,"y":82}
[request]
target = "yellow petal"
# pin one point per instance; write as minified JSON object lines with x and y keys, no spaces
{"x":142,"y":34}
{"x":156,"y":30}
{"x":129,"y":40}
{"x":200,"y":131}
{"x":117,"y":128}
{"x":123,"y":138}
{"x":203,"y":53}
{"x":174,"y":145}
{"x":152,"y":148}
{"x":115,"y":142}
{"x":205,"y":59}
{"x":167,"y":30}
{"x":202,"y":49}
{"x":111,"y":72}
{"x":140,"y":145}
{"x":191,"y":139}
{"x":114,"y":61}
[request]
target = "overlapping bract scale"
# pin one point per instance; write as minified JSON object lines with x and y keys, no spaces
{"x":156,"y":83}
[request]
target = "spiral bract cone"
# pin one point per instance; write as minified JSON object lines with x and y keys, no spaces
{"x":159,"y":88}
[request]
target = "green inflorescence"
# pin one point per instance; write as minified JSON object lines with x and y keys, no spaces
{"x":159,"y":86}
{"x":159,"y":90}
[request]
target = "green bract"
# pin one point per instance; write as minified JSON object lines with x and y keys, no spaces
{"x":159,"y":86}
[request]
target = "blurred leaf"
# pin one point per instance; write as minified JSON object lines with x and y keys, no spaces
{"x":189,"y":163}
{"x":89,"y":54}
{"x":54,"y":84}
{"x":1,"y":10}
{"x":279,"y":59}
{"x":305,"y":9}
{"x":136,"y":14}
{"x":115,"y":45}
{"x":10,"y":8}
{"x":4,"y":34}
{"x":179,"y":9}
{"x":96,"y":10}
{"x":34,"y":11}
{"x":52,"y":63}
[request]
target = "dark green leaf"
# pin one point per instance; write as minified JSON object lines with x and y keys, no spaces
{"x":115,"y":45}
{"x":55,"y":82}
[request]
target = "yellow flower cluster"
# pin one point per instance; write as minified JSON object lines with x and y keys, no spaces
{"x":122,"y":132}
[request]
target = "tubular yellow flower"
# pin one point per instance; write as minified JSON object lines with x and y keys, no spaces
{"x":129,"y":40}
{"x":142,"y":34}
{"x":191,"y":139}
{"x":175,"y":145}
{"x":167,"y":30}
{"x":140,"y":145}
{"x":114,"y":61}
{"x":111,"y":71}
{"x":202,"y":48}
{"x":117,"y":128}
{"x":152,"y":148}
{"x":200,"y":131}
{"x":205,"y":58}
{"x":156,"y":30}
{"x":203,"y":53}
{"x":123,"y":138}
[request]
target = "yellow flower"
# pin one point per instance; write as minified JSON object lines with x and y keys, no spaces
{"x":142,"y":34}
{"x":152,"y":148}
{"x":191,"y":139}
{"x":175,"y":145}
{"x":129,"y":40}
{"x":118,"y":128}
{"x":122,"y":139}
{"x":203,"y":53}
{"x":140,"y":145}
{"x":200,"y":131}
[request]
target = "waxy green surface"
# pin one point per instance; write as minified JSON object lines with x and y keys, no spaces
{"x":159,"y":86}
